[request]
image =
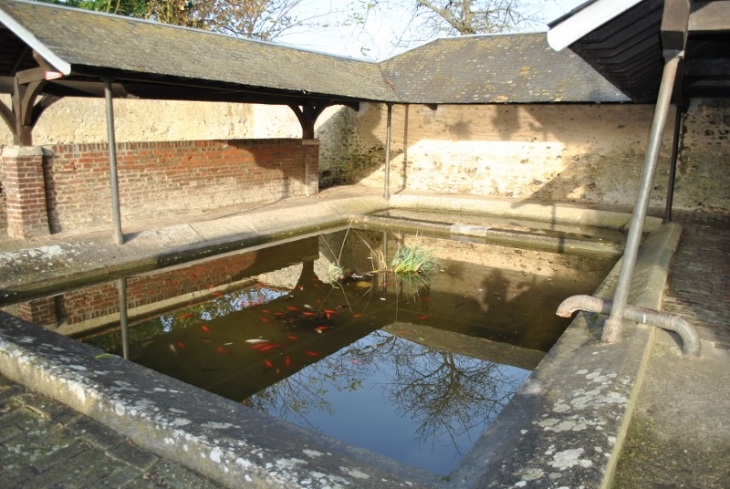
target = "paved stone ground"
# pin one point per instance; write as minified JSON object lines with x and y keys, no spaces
{"x":679,"y":436}
{"x":45,"y":444}
{"x":700,"y":277}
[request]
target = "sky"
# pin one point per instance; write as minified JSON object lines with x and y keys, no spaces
{"x":375,"y":40}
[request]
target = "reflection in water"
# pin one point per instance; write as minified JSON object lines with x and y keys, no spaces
{"x":418,"y":405}
{"x":415,"y":370}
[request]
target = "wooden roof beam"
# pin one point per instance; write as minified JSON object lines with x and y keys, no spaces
{"x":675,"y":21}
{"x":710,"y":17}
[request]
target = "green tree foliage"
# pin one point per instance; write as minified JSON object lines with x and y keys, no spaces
{"x":186,"y":13}
{"x":134,"y":8}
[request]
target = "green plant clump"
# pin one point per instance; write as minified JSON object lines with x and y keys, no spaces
{"x":413,"y":259}
{"x":334,"y":273}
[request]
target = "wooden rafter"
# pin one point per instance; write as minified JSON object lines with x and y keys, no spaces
{"x":675,"y":24}
{"x":27,"y":87}
{"x":710,"y":16}
{"x":308,"y":112}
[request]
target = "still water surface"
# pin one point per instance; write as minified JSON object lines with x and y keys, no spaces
{"x":414,"y":370}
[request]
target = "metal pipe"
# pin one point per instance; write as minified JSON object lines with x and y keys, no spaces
{"x":673,"y":165}
{"x":386,"y":193}
{"x":123,"y":317}
{"x":116,"y":214}
{"x":385,"y":258}
{"x":612,"y":328}
{"x":664,"y":320}
{"x":404,"y":173}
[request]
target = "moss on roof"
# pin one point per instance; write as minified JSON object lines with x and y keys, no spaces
{"x":468,"y":70}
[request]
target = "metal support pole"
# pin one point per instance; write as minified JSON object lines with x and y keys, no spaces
{"x":385,"y":258}
{"x":612,"y":327}
{"x":123,"y":318}
{"x":673,"y":165}
{"x":404,"y":173}
{"x":116,"y":215}
{"x":386,"y":192}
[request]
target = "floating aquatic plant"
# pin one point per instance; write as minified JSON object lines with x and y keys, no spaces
{"x":413,"y":260}
{"x":334,"y":273}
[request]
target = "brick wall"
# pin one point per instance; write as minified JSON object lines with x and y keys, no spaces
{"x":102,"y":300}
{"x":25,"y":192}
{"x":173,"y":178}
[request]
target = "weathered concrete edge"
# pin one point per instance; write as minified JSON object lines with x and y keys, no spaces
{"x":566,"y":425}
{"x":500,"y":236}
{"x":44,"y":266}
{"x":548,"y":212}
{"x":218,"y":438}
{"x":648,"y":285}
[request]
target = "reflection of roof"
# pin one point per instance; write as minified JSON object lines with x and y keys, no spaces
{"x":627,"y":48}
{"x":150,"y":60}
{"x":518,"y":68}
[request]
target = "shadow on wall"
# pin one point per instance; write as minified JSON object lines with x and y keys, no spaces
{"x":352,"y":146}
{"x":588,"y":154}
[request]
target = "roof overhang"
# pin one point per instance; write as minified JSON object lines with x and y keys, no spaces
{"x":627,"y":40}
{"x":586,"y":20}
{"x":148,"y":60}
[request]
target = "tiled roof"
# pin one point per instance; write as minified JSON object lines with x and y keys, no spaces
{"x":516,"y":68}
{"x":163,"y":61}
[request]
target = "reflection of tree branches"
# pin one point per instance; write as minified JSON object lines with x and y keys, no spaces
{"x":447,"y":394}
{"x":292,"y":399}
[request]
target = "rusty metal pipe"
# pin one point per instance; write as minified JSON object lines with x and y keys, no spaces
{"x":664,"y":320}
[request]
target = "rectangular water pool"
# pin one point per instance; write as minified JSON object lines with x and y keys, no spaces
{"x":320,"y":332}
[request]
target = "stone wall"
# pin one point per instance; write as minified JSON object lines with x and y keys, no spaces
{"x":703,"y":166}
{"x":568,"y":153}
{"x":83,"y":120}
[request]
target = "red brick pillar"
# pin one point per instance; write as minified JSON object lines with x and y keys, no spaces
{"x":39,"y":311}
{"x":310,"y":153}
{"x":25,"y":191}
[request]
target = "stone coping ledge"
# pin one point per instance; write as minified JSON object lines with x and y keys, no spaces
{"x":552,"y":212}
{"x":566,"y":425}
{"x":221,"y":439}
{"x":46,"y":263}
